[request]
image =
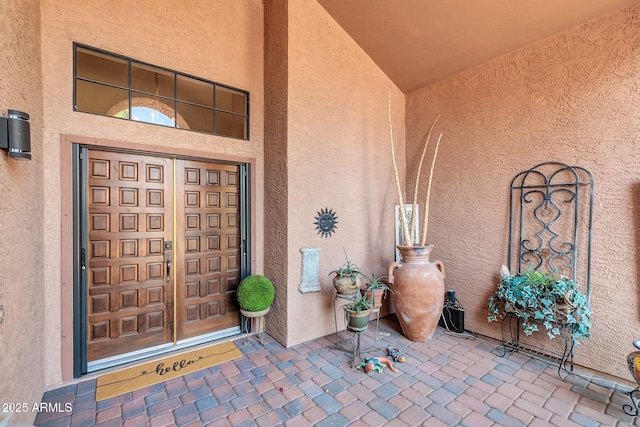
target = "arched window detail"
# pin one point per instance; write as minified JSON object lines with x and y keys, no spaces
{"x":147,"y":110}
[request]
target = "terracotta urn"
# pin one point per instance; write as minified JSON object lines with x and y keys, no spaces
{"x":418,"y":291}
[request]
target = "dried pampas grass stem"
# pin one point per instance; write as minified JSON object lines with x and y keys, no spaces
{"x":417,"y":184}
{"x":423,"y":240}
{"x":409,"y":236}
{"x":403,"y":219}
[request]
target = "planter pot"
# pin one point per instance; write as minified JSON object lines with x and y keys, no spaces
{"x":374,"y":296}
{"x":260,"y":313}
{"x":347,"y":284}
{"x":418,"y":291}
{"x":259,"y":323}
{"x":357,"y":322}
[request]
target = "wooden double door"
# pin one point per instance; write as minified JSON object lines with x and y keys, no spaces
{"x":163,"y":250}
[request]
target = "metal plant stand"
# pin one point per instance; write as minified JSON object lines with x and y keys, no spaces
{"x":260,"y":323}
{"x":633,"y":362}
{"x":513,"y":324}
{"x":550,"y":223}
{"x":354,"y":344}
{"x":632,"y":409}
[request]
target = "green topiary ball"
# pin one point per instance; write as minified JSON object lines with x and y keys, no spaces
{"x":255,"y":293}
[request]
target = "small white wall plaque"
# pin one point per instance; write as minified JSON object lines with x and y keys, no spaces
{"x":310,"y":266}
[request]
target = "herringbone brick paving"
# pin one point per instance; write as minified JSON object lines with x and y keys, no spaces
{"x":447,"y":381}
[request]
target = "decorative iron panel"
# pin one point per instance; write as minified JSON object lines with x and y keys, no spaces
{"x":550,"y":221}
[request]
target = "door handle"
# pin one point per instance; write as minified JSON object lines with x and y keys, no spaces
{"x":168,"y":255}
{"x":168,"y":258}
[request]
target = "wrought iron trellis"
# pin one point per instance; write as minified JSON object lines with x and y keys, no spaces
{"x":547,"y":220}
{"x":550,"y":229}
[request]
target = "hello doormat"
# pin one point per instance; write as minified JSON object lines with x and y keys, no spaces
{"x":126,"y":380}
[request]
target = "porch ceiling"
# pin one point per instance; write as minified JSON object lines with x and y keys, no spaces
{"x":418,"y":42}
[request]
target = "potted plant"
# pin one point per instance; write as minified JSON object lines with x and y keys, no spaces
{"x":418,"y":284}
{"x":357,"y":313}
{"x":540,"y":298}
{"x":255,"y":294}
{"x":346,"y":278}
{"x":375,"y":289}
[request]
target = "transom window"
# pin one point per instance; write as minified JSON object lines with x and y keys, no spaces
{"x":116,"y":86}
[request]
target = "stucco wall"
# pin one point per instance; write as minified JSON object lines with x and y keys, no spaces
{"x":21,"y":213}
{"x":338,"y":158}
{"x":573,"y":98}
{"x":218,"y":40}
{"x":276,"y":186}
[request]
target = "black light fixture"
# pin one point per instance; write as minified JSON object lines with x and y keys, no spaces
{"x":15,"y":135}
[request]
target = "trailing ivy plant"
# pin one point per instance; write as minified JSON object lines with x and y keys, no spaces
{"x":534,"y":296}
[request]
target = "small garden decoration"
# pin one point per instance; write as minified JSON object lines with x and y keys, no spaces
{"x":255,"y":293}
{"x":326,"y":222}
{"x":542,"y":298}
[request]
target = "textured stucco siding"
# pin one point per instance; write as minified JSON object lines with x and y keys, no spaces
{"x":572,"y":98}
{"x":338,"y":158}
{"x":218,"y":40}
{"x":21,"y":213}
{"x":276,"y":186}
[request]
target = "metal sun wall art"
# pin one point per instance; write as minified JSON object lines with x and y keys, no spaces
{"x":326,"y":222}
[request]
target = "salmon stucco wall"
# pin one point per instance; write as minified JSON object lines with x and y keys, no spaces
{"x":276,"y":78}
{"x":572,"y":98}
{"x":22,"y":331}
{"x":338,"y":158}
{"x":218,"y":40}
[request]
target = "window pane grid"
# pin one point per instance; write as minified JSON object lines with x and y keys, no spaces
{"x":83,"y":79}
{"x":151,"y":95}
{"x":159,"y":96}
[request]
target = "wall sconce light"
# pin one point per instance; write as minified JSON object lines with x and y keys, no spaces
{"x":15,"y":135}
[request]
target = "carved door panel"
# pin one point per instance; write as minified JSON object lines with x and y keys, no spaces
{"x":130,"y":217}
{"x":208,"y":244}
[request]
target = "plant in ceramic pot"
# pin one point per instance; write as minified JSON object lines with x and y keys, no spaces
{"x":418,"y":284}
{"x":541,"y":298}
{"x":357,"y":313}
{"x":375,"y":289}
{"x":346,"y":278}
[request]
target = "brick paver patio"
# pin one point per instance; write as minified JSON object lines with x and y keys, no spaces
{"x":450,"y":380}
